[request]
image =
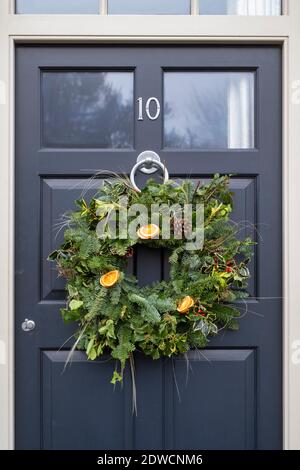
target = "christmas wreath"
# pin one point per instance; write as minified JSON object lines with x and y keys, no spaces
{"x":117,"y":316}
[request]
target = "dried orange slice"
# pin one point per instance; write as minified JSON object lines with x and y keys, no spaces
{"x":185,"y":304}
{"x":110,"y":279}
{"x":148,"y":231}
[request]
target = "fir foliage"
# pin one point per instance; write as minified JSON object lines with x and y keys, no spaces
{"x":126,"y":317}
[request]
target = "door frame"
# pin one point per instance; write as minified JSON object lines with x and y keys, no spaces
{"x":65,"y":29}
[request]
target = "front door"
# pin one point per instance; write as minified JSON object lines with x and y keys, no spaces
{"x":203,"y":110}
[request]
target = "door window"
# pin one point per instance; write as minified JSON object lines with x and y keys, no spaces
{"x":87,"y":109}
{"x":209,"y":110}
{"x":58,"y":6}
{"x":149,"y":7}
{"x":240,"y":7}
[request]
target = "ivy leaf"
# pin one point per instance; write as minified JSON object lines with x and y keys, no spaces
{"x":75,"y":304}
{"x":116,"y":378}
{"x":91,"y":350}
{"x":213,"y":329}
{"x":108,"y":329}
{"x":203,"y":327}
{"x":103,"y":208}
{"x":155,"y":354}
{"x":244,"y":272}
{"x":92,"y":354}
{"x":90,"y":345}
{"x":215,"y":210}
{"x":72,"y":291}
{"x":69,"y":316}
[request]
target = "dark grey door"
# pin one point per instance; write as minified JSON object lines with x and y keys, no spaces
{"x":77,"y":111}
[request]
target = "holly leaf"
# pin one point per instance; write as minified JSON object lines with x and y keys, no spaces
{"x":53,"y":256}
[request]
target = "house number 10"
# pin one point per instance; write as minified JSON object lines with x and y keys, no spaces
{"x":152,"y":117}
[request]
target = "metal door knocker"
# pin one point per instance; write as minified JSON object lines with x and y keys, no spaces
{"x":148,"y":162}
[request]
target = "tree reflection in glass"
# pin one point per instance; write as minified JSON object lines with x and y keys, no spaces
{"x":208,"y":110}
{"x":87,"y":109}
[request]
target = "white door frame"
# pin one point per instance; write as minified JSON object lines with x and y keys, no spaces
{"x":282,"y":30}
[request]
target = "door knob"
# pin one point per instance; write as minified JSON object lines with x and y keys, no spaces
{"x":28,"y":325}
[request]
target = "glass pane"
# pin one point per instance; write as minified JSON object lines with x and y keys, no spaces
{"x":240,"y":7}
{"x":148,"y":7}
{"x":88,"y":109}
{"x":57,"y":6}
{"x":209,"y":110}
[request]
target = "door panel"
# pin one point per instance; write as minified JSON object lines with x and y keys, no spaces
{"x":57,"y":198}
{"x":222,"y":412}
{"x":62,"y":422}
{"x":232,"y":396}
{"x":222,"y":421}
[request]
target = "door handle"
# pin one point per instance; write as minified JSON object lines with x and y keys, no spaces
{"x":148,"y":162}
{"x":28,"y":325}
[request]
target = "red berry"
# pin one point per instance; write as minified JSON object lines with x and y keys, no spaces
{"x":228,"y":269}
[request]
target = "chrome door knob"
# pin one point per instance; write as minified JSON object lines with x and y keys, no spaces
{"x":28,"y":325}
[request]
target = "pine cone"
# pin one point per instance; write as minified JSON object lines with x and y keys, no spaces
{"x":188,"y":227}
{"x":129,"y":253}
{"x":66,"y":273}
{"x":181,"y":227}
{"x":178,"y":227}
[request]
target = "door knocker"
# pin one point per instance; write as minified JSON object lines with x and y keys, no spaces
{"x":148,"y":162}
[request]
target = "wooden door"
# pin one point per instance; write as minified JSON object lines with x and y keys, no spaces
{"x":76,"y":113}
